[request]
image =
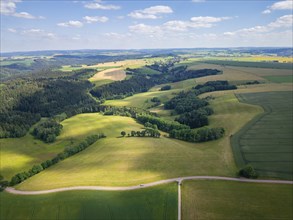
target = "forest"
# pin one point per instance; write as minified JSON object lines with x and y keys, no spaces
{"x":142,"y":83}
{"x":25,"y":101}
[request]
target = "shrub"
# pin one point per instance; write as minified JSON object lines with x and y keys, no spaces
{"x":248,"y":171}
{"x":166,"y":87}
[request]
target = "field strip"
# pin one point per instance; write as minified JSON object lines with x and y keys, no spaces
{"x":109,"y":188}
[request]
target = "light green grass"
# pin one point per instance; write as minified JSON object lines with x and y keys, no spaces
{"x":26,"y":62}
{"x":146,"y":71}
{"x":273,"y":65}
{"x":266,"y":142}
{"x":20,"y":154}
{"x":102,"y":82}
{"x":116,"y":161}
{"x":143,"y":100}
{"x":158,"y":202}
{"x":280,"y":79}
{"x":218,"y":200}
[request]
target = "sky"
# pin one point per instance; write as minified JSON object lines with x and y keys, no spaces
{"x":28,"y":25}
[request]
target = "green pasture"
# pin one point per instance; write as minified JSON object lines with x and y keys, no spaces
{"x":117,"y":161}
{"x":20,"y":154}
{"x":158,"y":202}
{"x":218,"y":200}
{"x":146,"y":71}
{"x":266,"y":142}
{"x":25,"y":61}
{"x":101,"y":82}
{"x":271,"y":65}
{"x":280,"y":79}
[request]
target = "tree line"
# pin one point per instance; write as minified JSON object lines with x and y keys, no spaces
{"x":150,"y":130}
{"x":198,"y":135}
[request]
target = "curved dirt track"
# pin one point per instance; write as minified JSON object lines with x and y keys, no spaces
{"x":110,"y":188}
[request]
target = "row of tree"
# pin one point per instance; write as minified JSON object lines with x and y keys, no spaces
{"x":197,"y":135}
{"x":69,"y":151}
{"x":162,"y":124}
{"x":213,"y":86}
{"x":147,"y":132}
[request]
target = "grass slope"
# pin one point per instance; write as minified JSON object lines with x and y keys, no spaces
{"x":158,"y":202}
{"x":117,"y":161}
{"x":217,"y":200}
{"x":20,"y":154}
{"x":266,"y":142}
{"x":280,"y":79}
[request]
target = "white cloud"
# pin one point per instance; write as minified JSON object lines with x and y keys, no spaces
{"x":12,"y":30}
{"x":145,"y":29}
{"x":100,"y":5}
{"x":77,"y":24}
{"x":153,"y":12}
{"x":198,"y":1}
{"x":267,"y":11}
{"x":285,"y":21}
{"x":38,"y":33}
{"x":117,"y":35}
{"x":8,"y":7}
{"x":282,"y":5}
{"x":208,"y":19}
{"x":89,"y":19}
{"x":175,"y":26}
{"x":282,"y":22}
{"x":24,"y":15}
{"x":195,"y":22}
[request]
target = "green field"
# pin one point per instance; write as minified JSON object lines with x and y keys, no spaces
{"x":146,"y":71}
{"x":280,"y":79}
{"x":271,"y":65}
{"x":25,"y":61}
{"x":116,"y":161}
{"x":102,"y":82}
{"x":20,"y":154}
{"x":266,"y":142}
{"x":218,"y":200}
{"x":158,"y":202}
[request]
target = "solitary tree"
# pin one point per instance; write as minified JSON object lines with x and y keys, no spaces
{"x":123,"y":133}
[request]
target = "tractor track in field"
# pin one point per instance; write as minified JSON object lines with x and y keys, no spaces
{"x":141,"y":186}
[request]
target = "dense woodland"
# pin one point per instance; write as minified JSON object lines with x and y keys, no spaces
{"x":59,"y":95}
{"x":198,"y":135}
{"x":47,"y":130}
{"x":138,"y":83}
{"x":25,"y":101}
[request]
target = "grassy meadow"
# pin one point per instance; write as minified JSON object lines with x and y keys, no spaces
{"x":158,"y":202}
{"x":20,"y":154}
{"x":217,"y":200}
{"x":114,"y":74}
{"x":266,"y":142}
{"x":280,"y":79}
{"x":117,"y":161}
{"x":131,"y":63}
{"x":258,"y":64}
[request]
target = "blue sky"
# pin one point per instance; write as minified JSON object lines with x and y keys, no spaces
{"x":64,"y":25}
